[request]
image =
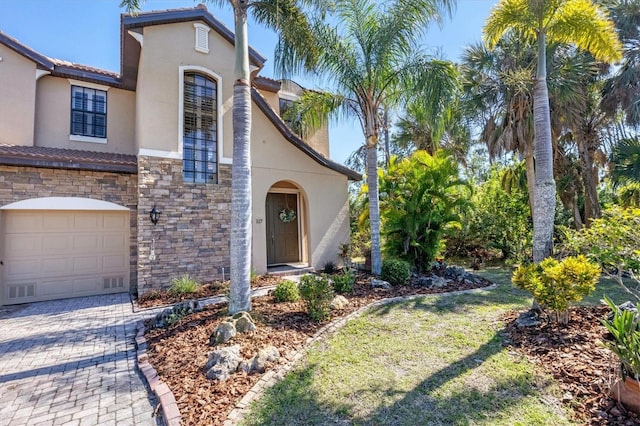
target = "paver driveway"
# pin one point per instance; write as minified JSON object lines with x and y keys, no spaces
{"x":72,"y":362}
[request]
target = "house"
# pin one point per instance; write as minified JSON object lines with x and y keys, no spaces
{"x":86,"y":155}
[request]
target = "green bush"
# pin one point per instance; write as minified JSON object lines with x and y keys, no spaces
{"x":625,"y":330}
{"x":317,"y":293}
{"x":555,"y":284}
{"x":395,"y":271}
{"x":343,"y":282}
{"x":183,"y":285}
{"x":286,"y":291}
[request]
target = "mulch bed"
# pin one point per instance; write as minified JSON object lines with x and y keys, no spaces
{"x":571,"y":354}
{"x":575,"y":357}
{"x":180,"y":352}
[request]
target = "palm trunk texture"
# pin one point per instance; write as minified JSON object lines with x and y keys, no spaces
{"x":374,"y":208}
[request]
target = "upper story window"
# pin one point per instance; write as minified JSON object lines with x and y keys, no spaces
{"x":88,"y":112}
{"x":200,"y":132}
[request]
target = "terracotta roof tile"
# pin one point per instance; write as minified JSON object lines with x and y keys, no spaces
{"x":38,"y":156}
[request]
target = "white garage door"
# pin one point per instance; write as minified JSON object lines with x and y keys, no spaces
{"x":59,"y":254}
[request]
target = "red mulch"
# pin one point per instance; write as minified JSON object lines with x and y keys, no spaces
{"x":575,"y":357}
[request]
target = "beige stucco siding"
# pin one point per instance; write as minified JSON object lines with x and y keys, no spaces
{"x":166,"y":49}
{"x":17,"y":97}
{"x":325,"y":209}
{"x":53,"y":112}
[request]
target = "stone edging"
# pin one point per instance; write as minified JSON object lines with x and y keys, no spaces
{"x":167,"y":401}
{"x":270,"y":378}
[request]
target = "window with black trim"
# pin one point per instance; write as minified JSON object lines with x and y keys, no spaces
{"x":88,"y":112}
{"x":200,"y":132}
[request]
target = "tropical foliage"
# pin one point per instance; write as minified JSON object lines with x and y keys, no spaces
{"x":624,"y":328}
{"x":422,"y":198}
{"x":556,"y":284}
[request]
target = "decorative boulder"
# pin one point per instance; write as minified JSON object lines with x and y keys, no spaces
{"x":528,"y":319}
{"x":243,"y":322}
{"x":222,"y":333}
{"x":375,"y":283}
{"x":455,"y":272}
{"x":265,"y":355}
{"x":222,"y":362}
{"x":339,"y":303}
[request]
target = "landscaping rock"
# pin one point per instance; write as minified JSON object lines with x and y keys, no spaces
{"x":222,"y":362}
{"x":455,"y":272}
{"x":433,"y":281}
{"x":375,"y":283}
{"x":258,"y":362}
{"x":222,"y":333}
{"x":339,"y":303}
{"x":243,"y":322}
{"x":528,"y":319}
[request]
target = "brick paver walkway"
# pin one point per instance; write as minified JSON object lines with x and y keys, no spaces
{"x":72,"y":362}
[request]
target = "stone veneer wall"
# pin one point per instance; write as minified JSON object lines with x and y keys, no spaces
{"x":192,"y":235}
{"x":20,"y":183}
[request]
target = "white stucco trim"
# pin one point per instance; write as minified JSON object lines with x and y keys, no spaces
{"x":78,"y":138}
{"x":218,"y":78}
{"x":88,"y":85}
{"x":137,"y":36}
{"x":40,"y":73}
{"x":63,"y":203}
{"x":160,"y":154}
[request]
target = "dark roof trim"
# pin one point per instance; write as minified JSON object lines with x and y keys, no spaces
{"x":267,"y":84}
{"x":87,"y":75}
{"x":296,"y":141}
{"x":25,"y":51}
{"x":184,"y":15}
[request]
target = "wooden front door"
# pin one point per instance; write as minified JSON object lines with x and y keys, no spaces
{"x":282,"y":232}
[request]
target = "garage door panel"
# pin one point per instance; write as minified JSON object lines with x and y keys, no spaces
{"x":52,"y":255}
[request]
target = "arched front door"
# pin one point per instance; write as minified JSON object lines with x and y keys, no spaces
{"x":283,"y":229}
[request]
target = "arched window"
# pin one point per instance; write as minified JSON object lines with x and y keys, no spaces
{"x":200,"y":132}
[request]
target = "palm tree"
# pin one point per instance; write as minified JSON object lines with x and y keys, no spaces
{"x":579,"y":22}
{"x":287,"y":17}
{"x":370,"y":59}
{"x":626,"y":161}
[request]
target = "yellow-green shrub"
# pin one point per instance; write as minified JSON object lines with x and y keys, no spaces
{"x":556,"y":284}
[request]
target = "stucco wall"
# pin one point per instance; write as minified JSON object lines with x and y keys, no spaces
{"x":192,"y":235}
{"x":166,"y":49}
{"x":326,"y":208}
{"x":22,"y":183}
{"x":17,"y":98}
{"x":53,"y":112}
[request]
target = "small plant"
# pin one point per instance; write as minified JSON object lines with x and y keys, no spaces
{"x":183,"y":285}
{"x":317,"y":293}
{"x":286,"y":291}
{"x":396,"y":272}
{"x":625,"y":329}
{"x":329,"y":267}
{"x":343,"y":282}
{"x":556,"y":284}
{"x":344,"y":253}
{"x":150,"y":295}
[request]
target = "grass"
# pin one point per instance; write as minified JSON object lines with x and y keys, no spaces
{"x":431,"y":360}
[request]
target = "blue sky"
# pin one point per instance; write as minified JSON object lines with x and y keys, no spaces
{"x":88,"y":32}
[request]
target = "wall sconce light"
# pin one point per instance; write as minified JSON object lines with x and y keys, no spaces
{"x":154,"y":214}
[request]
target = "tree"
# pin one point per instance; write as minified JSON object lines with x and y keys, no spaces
{"x":370,"y":59}
{"x":579,"y":22}
{"x":287,"y":17}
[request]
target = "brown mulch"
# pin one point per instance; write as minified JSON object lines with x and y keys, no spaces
{"x":180,"y":352}
{"x":574,"y":356}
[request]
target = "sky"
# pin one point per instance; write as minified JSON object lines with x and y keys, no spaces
{"x":88,"y":32}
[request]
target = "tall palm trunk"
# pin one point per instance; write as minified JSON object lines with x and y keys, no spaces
{"x":240,"y":249}
{"x":531,"y":174}
{"x":374,"y":205}
{"x":545,"y":188}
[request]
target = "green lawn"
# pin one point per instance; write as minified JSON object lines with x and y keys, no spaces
{"x":429,"y":361}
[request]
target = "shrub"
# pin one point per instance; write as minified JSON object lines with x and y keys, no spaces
{"x":555,"y":284}
{"x":317,"y":293}
{"x":625,"y":330}
{"x":286,"y":291}
{"x":343,"y":283}
{"x":329,"y":267}
{"x":183,"y":285}
{"x":395,"y":271}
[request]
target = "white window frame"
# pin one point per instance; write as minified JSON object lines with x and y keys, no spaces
{"x":88,"y":85}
